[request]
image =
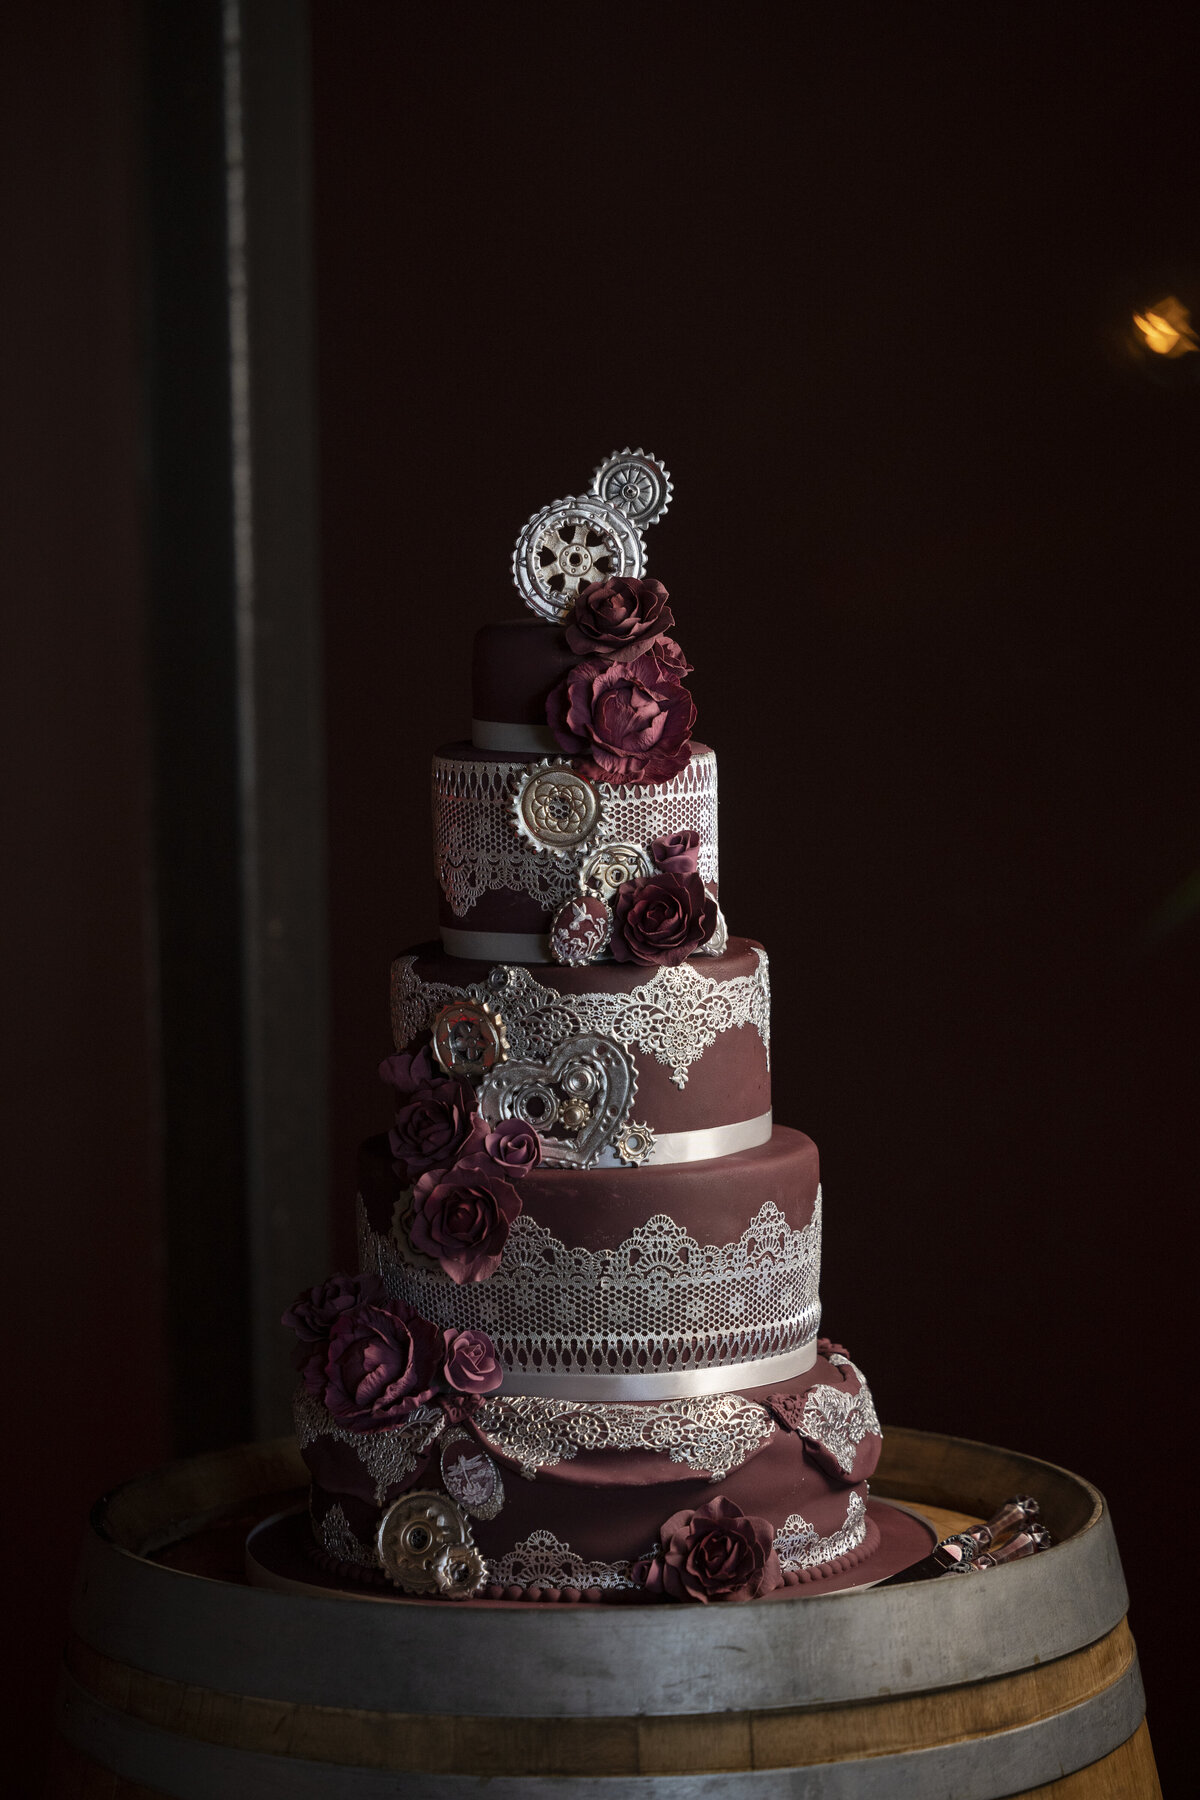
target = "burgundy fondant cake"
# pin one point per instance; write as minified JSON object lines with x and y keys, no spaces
{"x":581,"y":1355}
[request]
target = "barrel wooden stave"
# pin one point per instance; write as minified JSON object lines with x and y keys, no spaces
{"x":838,"y":1731}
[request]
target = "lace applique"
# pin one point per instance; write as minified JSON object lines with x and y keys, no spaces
{"x":659,"y":1301}
{"x":541,"y":1561}
{"x":477,"y":850}
{"x":675,"y":1016}
{"x":839,"y":1421}
{"x":336,"y":1537}
{"x":711,"y":1433}
{"x":798,"y":1545}
{"x":389,"y":1456}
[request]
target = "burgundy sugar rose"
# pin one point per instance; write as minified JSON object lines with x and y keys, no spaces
{"x":461,"y":1218}
{"x":661,"y":918}
{"x":408,"y":1071}
{"x":668,"y":659}
{"x":618,"y":619}
{"x":678,"y":854}
{"x":624,"y":721}
{"x":717,"y":1552}
{"x":383,"y":1361}
{"x":827,"y":1348}
{"x":312,"y":1316}
{"x":788,"y":1409}
{"x":512,"y":1145}
{"x":431,"y":1128}
{"x":471,"y":1364}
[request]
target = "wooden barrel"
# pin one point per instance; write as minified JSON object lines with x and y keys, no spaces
{"x":181,"y":1680}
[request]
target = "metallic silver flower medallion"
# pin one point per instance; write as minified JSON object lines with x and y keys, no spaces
{"x":570,"y":544}
{"x":556,"y":808}
{"x":577,"y":1100}
{"x":470,"y":1476}
{"x":635,"y":1144}
{"x":419,"y":1541}
{"x":581,"y":931}
{"x":637,"y":483}
{"x":469,"y":1038}
{"x":611,"y":866}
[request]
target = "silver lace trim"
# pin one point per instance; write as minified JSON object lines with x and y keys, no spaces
{"x":798,"y":1545}
{"x":542,"y":1561}
{"x":658,"y":1303}
{"x":711,"y":1434}
{"x":389,"y":1456}
{"x":675,"y":1016}
{"x":839,"y":1420}
{"x":339,"y":1540}
{"x":476,"y":849}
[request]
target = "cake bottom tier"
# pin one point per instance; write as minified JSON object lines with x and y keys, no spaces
{"x":568,"y":1499}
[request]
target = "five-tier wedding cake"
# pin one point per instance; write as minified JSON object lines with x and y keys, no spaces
{"x":581,"y":1357}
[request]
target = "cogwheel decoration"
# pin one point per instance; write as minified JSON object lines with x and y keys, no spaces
{"x":635,"y":1144}
{"x":570,"y":544}
{"x":426,"y":1547}
{"x":555,"y":808}
{"x":469,"y":1038}
{"x":637,"y":483}
{"x":611,"y":866}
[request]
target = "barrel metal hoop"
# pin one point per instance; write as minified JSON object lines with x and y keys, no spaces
{"x":978,"y":1769}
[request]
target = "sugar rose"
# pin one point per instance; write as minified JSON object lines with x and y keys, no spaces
{"x":717,"y":1552}
{"x":461,"y":1218}
{"x":472,"y":1366}
{"x":432,"y":1127}
{"x":661,"y":919}
{"x":624,"y":721}
{"x":382,"y":1363}
{"x":678,"y":853}
{"x":618,"y":619}
{"x":313,"y":1315}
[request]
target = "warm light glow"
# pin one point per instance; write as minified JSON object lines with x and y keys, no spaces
{"x":1166,"y":328}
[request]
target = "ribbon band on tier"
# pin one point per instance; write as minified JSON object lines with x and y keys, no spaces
{"x":499,"y":734}
{"x":665,"y":1384}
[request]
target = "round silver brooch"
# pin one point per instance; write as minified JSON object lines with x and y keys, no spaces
{"x":635,"y":1144}
{"x":426,"y":1547}
{"x":469,"y":1038}
{"x":556,"y":808}
{"x":635,"y":482}
{"x":611,"y":866}
{"x":570,"y":544}
{"x":581,"y":931}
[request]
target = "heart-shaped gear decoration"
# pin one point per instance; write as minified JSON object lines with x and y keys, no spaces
{"x":577,"y":1101}
{"x":635,"y":482}
{"x":570,"y":544}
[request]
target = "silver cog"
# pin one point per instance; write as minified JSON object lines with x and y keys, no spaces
{"x":569,"y":544}
{"x":635,"y":482}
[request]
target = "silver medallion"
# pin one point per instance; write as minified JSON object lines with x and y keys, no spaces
{"x":634,"y":1144}
{"x":577,"y":1100}
{"x":555,"y":808}
{"x":611,"y":866}
{"x":580,"y":931}
{"x":470,"y":1476}
{"x":469,"y":1038}
{"x":570,"y":544}
{"x":425,"y":1547}
{"x":635,"y":482}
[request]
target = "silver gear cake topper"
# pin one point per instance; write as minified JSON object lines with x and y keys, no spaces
{"x":636,"y":482}
{"x":591,"y":537}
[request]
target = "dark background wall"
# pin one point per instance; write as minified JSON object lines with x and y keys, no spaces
{"x":933,"y":555}
{"x":863,"y":286}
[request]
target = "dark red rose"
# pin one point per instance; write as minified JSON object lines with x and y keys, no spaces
{"x":512,"y":1145}
{"x":432,"y":1128}
{"x":618,"y":619}
{"x":461,"y":1217}
{"x":827,"y":1348}
{"x":661,"y":918}
{"x":678,"y":854}
{"x":471,"y":1365}
{"x":668,"y":659}
{"x":717,"y":1552}
{"x":625,"y":722}
{"x":382,"y":1362}
{"x":788,"y":1409}
{"x":312,"y":1316}
{"x":408,"y":1071}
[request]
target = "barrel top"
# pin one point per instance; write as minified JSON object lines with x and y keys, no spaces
{"x":454,"y":1659}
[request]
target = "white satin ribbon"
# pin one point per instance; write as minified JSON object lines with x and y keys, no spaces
{"x":497,"y":946}
{"x":673,"y":1384}
{"x":703,"y":1144}
{"x":497,"y":734}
